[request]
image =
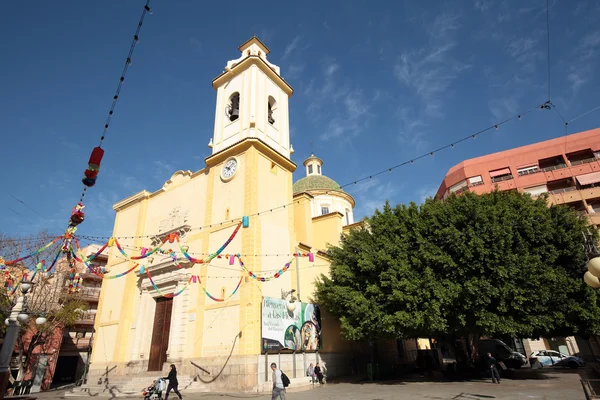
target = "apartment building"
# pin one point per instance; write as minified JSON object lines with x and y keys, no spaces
{"x":75,"y":350}
{"x":567,"y":168}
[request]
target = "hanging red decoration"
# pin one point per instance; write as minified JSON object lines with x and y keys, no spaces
{"x":93,"y":167}
{"x":77,"y":215}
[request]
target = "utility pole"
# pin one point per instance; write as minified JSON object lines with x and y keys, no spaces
{"x":298,"y":275}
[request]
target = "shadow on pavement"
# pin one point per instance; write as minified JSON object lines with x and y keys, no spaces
{"x":474,"y":376}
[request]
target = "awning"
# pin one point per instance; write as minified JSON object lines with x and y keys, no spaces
{"x":475,"y":179}
{"x":588,"y":179}
{"x":499,"y":172}
{"x":527,"y":166}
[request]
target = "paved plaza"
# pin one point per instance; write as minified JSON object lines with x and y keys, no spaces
{"x":548,"y":385}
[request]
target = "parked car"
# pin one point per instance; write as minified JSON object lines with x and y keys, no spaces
{"x":555,"y":358}
{"x":502,"y":352}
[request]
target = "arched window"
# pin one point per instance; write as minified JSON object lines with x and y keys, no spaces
{"x":272,"y":110}
{"x":232,"y":110}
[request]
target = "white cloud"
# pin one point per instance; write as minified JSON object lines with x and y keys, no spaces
{"x":428,"y":74}
{"x":289,"y":49}
{"x":585,"y":54}
{"x":425,"y":192}
{"x":331,"y":68}
{"x":341,"y":111}
{"x":162,"y":170}
{"x":372,"y":194}
{"x":294,"y":71}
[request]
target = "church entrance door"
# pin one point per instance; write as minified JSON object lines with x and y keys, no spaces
{"x":160,"y":334}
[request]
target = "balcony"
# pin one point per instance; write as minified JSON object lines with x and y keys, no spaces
{"x":552,"y":163}
{"x":502,"y":178}
{"x":581,"y":157}
{"x":91,"y":276}
{"x":561,"y":186}
{"x":87,"y":318}
{"x":563,"y":190}
{"x":90,"y":294}
{"x":76,"y":344}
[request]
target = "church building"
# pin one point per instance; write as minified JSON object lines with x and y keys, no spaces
{"x":230,"y":290}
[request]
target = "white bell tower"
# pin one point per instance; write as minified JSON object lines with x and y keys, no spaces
{"x":252,"y":101}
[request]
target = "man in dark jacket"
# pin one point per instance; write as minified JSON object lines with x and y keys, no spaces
{"x":491,"y":364}
{"x":172,"y":382}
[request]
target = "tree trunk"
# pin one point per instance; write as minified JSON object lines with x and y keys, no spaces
{"x":472,"y":345}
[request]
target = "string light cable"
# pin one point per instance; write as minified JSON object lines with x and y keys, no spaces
{"x":97,"y":154}
{"x":544,"y":106}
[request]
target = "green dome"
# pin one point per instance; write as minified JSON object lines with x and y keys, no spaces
{"x":315,"y":182}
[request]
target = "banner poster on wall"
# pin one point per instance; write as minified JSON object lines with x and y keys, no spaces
{"x":294,"y":330}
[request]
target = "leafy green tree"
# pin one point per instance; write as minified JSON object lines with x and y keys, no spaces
{"x":495,"y":264}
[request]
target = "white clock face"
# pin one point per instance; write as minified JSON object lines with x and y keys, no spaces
{"x":229,"y":168}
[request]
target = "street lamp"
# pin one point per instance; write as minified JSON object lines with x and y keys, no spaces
{"x":291,"y":305}
{"x":591,"y":277}
{"x":18,"y":315}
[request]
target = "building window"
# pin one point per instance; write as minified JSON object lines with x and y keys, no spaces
{"x":233,"y":107}
{"x":271,"y":110}
{"x":347,"y":217}
{"x":310,"y":169}
{"x":475,"y":180}
{"x":324,"y":210}
{"x":500,"y":175}
{"x":530,"y":169}
{"x":318,"y":169}
{"x":458,"y":187}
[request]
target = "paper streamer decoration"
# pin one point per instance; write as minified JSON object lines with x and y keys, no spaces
{"x":262,"y":278}
{"x":167,"y":295}
{"x":4,"y":263}
{"x":213,"y":255}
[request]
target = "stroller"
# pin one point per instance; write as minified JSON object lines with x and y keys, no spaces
{"x":155,"y":392}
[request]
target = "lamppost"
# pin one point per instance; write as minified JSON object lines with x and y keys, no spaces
{"x":591,"y":277}
{"x":291,"y":305}
{"x":18,"y":315}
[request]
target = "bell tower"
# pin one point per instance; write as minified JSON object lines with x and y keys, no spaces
{"x":252,"y":101}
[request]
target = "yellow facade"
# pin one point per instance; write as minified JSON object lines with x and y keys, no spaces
{"x":203,"y":208}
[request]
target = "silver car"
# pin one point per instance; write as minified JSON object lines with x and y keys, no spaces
{"x":555,"y":358}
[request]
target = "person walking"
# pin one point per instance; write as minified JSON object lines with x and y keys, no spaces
{"x":491,"y":364}
{"x":310,"y":371}
{"x":278,"y":388}
{"x":172,"y":377}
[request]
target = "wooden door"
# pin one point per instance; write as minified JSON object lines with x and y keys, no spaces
{"x":160,"y":334}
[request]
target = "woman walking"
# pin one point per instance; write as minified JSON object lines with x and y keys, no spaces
{"x":172,"y":382}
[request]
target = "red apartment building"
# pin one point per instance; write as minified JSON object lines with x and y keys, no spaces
{"x":567,"y":168}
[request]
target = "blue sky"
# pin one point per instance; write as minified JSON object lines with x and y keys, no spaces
{"x":375,"y":84}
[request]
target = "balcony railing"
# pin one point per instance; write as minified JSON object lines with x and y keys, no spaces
{"x":502,"y":178}
{"x":76,"y":343}
{"x":552,"y":168}
{"x":90,"y":292}
{"x":563,"y":190}
{"x":87,"y":318}
{"x":584,"y":161}
{"x":529,"y":171}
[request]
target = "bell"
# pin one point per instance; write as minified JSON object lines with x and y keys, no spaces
{"x":234,"y":114}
